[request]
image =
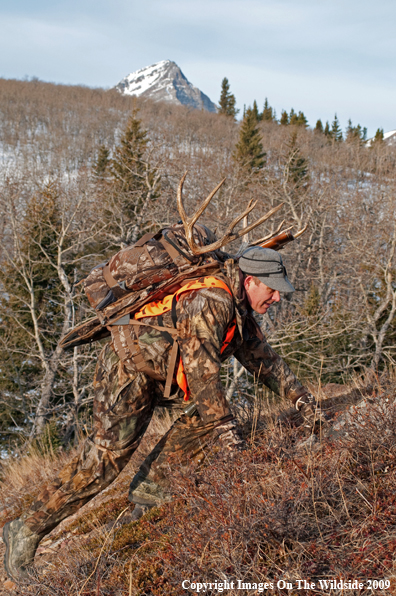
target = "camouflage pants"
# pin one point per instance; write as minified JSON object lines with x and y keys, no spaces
{"x":123,"y":407}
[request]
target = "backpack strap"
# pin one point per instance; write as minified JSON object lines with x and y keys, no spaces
{"x":176,"y":256}
{"x":109,"y":279}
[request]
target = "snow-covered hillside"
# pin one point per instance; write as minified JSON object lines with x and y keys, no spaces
{"x":165,"y":81}
{"x":389,"y":137}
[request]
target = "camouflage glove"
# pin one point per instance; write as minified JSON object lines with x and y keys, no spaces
{"x":230,"y":437}
{"x":313,"y":417}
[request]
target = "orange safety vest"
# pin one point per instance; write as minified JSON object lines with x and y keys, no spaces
{"x":159,"y":307}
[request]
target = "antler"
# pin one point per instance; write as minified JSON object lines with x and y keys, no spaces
{"x":229,"y":236}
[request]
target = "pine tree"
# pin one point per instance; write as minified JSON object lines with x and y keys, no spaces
{"x":249,"y":149}
{"x":256,"y":112}
{"x":32,"y":296}
{"x":378,"y":137}
{"x":293,"y":118}
{"x":267,"y":114}
{"x":102,"y":162}
{"x":336,"y":132}
{"x":133,"y":183}
{"x":355,"y":133}
{"x":284,"y":119}
{"x":302,"y":120}
{"x":297,"y":164}
{"x":319,"y":126}
{"x":227,"y":101}
{"x":327,"y":131}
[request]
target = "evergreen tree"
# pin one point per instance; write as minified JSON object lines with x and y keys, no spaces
{"x":102,"y":162}
{"x":256,"y":112}
{"x":336,"y":132}
{"x":267,"y":115}
{"x":133,"y":184}
{"x":302,"y":120}
{"x":284,"y":119}
{"x":32,"y":296}
{"x":319,"y":126}
{"x":379,"y":136}
{"x":355,"y":133}
{"x":227,"y":101}
{"x":327,"y":131}
{"x":249,"y":149}
{"x":298,"y":165}
{"x":293,"y":118}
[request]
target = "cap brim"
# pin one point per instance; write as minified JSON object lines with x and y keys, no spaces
{"x":282,"y":284}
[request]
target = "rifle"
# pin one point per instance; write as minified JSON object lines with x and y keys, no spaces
{"x":278,"y":242}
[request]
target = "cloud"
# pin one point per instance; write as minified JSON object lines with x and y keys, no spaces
{"x":318,"y":56}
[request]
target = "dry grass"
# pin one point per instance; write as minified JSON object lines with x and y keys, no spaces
{"x":279,"y":510}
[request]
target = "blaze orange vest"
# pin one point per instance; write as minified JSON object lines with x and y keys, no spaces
{"x":153,"y":309}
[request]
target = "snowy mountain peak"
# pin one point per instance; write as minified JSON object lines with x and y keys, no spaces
{"x":164,"y":81}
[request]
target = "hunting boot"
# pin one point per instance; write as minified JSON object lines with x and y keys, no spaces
{"x":21,"y":544}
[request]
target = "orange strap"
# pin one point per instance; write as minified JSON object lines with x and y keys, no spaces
{"x":153,"y":309}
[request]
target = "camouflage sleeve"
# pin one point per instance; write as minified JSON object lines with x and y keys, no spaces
{"x":257,"y":356}
{"x":202,"y":320}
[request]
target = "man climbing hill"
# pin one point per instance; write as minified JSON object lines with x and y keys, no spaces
{"x":210,"y":319}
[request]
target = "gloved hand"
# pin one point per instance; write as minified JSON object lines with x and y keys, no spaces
{"x":314,"y":418}
{"x":230,"y":437}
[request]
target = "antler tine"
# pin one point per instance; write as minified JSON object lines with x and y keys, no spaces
{"x":258,"y":222}
{"x":204,"y":204}
{"x":229,"y":236}
{"x":300,"y":232}
{"x":251,"y":205}
{"x":189,"y":222}
{"x":269,"y":236}
{"x":180,"y":205}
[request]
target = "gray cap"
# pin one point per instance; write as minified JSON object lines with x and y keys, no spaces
{"x":266,"y":264}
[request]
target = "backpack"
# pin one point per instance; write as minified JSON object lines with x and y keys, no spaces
{"x":156,"y":265}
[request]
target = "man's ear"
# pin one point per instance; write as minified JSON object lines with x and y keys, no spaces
{"x":247,"y":281}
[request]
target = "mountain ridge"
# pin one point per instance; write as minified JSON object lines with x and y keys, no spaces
{"x":164,"y":81}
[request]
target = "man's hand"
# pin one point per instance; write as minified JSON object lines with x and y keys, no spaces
{"x":314,"y":418}
{"x":230,"y":437}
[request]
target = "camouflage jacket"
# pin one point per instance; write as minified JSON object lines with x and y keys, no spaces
{"x":203,"y":317}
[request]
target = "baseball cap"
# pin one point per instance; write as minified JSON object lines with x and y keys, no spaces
{"x":267,"y":265}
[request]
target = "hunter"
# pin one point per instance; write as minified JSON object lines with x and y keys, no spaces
{"x":214,"y":320}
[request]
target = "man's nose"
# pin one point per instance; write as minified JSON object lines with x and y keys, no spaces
{"x":276,"y":297}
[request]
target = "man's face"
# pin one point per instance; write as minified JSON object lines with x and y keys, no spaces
{"x":259,"y":295}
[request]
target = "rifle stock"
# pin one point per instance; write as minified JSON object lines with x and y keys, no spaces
{"x":279,"y":241}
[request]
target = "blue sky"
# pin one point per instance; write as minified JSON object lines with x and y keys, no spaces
{"x":319,"y":56}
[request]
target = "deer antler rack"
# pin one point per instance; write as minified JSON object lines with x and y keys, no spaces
{"x":229,"y":236}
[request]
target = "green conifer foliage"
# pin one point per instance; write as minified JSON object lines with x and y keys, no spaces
{"x":379,"y":136}
{"x":284,"y":119}
{"x":327,"y":131}
{"x":227,"y":103}
{"x":319,"y":126}
{"x":256,"y":112}
{"x":302,"y":120}
{"x":249,"y":149}
{"x":132,"y":183}
{"x":355,"y":133}
{"x":38,"y":312}
{"x":336,"y":132}
{"x":297,"y":164}
{"x":293,"y":118}
{"x":267,"y":115}
{"x":102,"y":162}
